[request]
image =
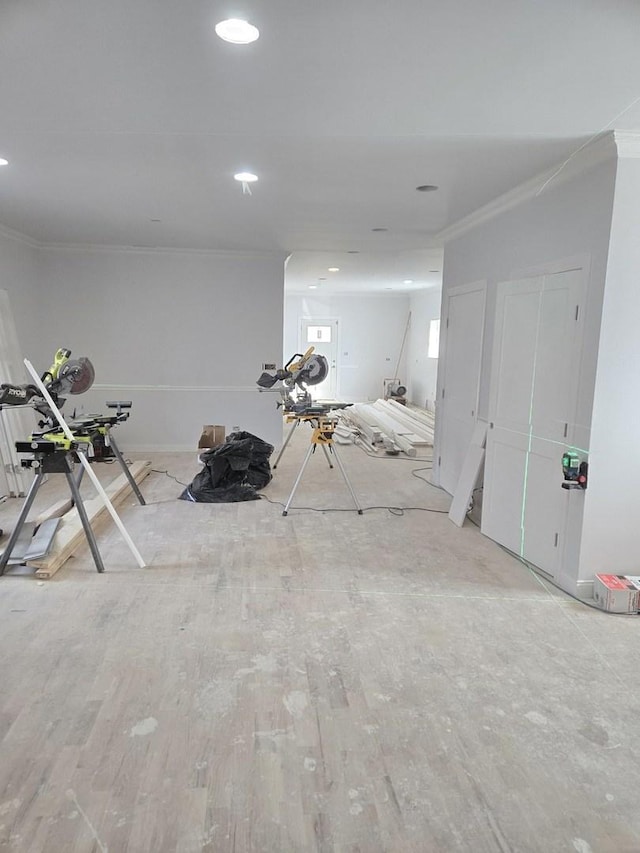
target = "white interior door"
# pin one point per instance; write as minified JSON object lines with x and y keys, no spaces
{"x":463,"y":325}
{"x":532,"y":408}
{"x":322,"y":334}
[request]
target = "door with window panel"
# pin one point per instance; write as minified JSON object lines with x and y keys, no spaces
{"x":322,"y":334}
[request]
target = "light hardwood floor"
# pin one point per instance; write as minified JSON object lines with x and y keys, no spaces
{"x":322,"y":682}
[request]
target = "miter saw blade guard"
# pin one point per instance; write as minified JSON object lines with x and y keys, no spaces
{"x":76,"y":376}
{"x":65,"y":376}
{"x":314,"y":371}
{"x":300,"y":371}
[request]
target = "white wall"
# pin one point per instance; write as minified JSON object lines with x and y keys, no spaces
{"x":370,"y":332}
{"x":20,"y":277}
{"x":422,"y":371}
{"x":181,"y":334}
{"x":611,"y":537}
{"x":571,"y":218}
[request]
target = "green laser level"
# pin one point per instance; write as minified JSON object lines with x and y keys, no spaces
{"x":574,"y":471}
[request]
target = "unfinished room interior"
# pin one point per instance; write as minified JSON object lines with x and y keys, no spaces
{"x":319,"y":529}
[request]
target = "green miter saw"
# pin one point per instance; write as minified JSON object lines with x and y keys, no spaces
{"x":65,"y":376}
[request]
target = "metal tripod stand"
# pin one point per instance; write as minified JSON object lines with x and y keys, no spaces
{"x":323,"y":437}
{"x":48,"y":459}
{"x":297,"y":420}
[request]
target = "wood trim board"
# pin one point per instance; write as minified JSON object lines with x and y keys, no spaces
{"x":70,"y":535}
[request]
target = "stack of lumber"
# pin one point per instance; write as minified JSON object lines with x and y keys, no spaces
{"x":390,"y":424}
{"x":70,"y":533}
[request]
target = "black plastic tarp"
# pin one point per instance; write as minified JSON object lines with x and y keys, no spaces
{"x":234,"y":471}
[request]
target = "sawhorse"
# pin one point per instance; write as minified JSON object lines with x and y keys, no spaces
{"x":297,"y":419}
{"x":85,"y":428}
{"x":49,"y":459}
{"x":323,"y":437}
{"x":110,"y":441}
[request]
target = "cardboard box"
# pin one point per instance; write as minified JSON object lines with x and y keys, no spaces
{"x":212,"y":436}
{"x":616,"y":593}
{"x":635,"y":580}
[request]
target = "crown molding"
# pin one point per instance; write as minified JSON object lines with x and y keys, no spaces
{"x":593,"y":152}
{"x":19,"y":237}
{"x":327,"y":296}
{"x":627,"y":143}
{"x":106,"y":248}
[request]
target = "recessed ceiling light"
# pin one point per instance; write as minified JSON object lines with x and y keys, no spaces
{"x":324,"y":278}
{"x":379,"y":229}
{"x":3,"y":162}
{"x":334,"y":269}
{"x":313,"y":286}
{"x":426,"y":188}
{"x":388,"y":288}
{"x":245,"y":177}
{"x":408,"y":281}
{"x":237,"y":31}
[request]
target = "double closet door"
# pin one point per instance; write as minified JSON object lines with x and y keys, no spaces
{"x":533,"y":397}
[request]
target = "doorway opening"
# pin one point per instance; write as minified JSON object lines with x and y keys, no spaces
{"x":321,"y":333}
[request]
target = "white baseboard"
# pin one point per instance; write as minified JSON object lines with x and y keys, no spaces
{"x":584,"y":589}
{"x":160,"y":448}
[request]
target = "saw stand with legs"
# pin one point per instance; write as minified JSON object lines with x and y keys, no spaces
{"x":323,"y":437}
{"x":105,"y":426}
{"x":297,"y":420}
{"x":50,"y":459}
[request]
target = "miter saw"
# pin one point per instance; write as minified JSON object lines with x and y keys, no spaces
{"x":65,"y":376}
{"x":298,"y":373}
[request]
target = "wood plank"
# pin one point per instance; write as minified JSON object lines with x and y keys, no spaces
{"x":468,"y":479}
{"x":70,"y":535}
{"x":56,"y":510}
{"x":360,"y":423}
{"x":407,"y":424}
{"x":469,"y":474}
{"x":388,"y":426}
{"x":422,"y":417}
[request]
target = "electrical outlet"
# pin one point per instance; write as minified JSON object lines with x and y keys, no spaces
{"x":268,"y":365}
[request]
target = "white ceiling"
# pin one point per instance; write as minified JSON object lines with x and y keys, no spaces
{"x":114,"y":113}
{"x":368,"y":272}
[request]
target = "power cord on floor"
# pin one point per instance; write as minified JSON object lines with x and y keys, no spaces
{"x":415,"y":474}
{"x":394,"y":510}
{"x":171,"y":477}
{"x":400,"y":510}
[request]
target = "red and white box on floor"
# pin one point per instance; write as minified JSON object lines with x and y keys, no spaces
{"x":617,"y":593}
